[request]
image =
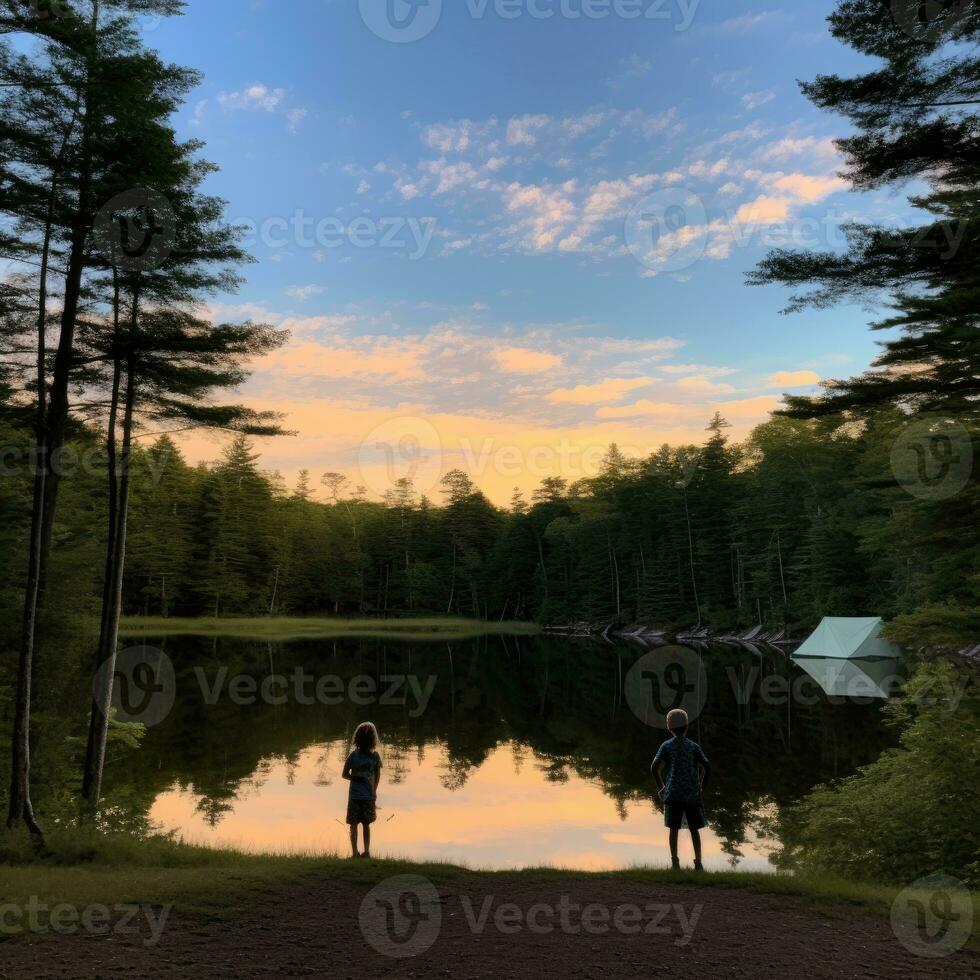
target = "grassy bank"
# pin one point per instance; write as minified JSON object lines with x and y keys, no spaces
{"x":84,"y":869}
{"x":279,"y":630}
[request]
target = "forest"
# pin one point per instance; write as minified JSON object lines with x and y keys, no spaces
{"x":806,"y":518}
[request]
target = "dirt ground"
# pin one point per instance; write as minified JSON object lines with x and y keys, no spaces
{"x":318,"y":929}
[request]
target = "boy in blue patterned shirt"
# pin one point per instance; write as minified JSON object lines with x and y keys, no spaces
{"x":681,"y":770}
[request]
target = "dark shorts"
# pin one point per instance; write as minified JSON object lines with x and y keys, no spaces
{"x":361,"y":811}
{"x":674,"y":814}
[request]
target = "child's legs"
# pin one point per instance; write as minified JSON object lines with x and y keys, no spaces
{"x":696,"y":840}
{"x":673,"y":844}
{"x":353,"y":838}
{"x":367,"y":837}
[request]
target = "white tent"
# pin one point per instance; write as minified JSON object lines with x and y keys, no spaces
{"x":852,"y":678}
{"x":847,"y":639}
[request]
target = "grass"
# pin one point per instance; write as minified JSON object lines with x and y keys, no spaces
{"x":294,"y":628}
{"x":85,"y":868}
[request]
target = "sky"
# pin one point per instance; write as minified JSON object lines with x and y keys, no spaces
{"x":502,"y":240}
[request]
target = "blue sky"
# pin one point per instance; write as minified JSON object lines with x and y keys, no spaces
{"x":520,"y":232}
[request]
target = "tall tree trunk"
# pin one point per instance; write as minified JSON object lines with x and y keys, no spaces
{"x":452,"y":589}
{"x":103,"y":652}
{"x":614,"y":568}
{"x":101,"y":709}
{"x":782,"y":575}
{"x":544,"y":567}
{"x":690,"y":549}
{"x":20,"y":806}
{"x":59,"y":403}
{"x":112,"y":481}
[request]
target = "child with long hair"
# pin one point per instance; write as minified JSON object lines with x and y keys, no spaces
{"x":363,"y":771}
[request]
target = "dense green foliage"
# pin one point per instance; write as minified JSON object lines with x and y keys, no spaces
{"x":912,"y":812}
{"x":804,"y":519}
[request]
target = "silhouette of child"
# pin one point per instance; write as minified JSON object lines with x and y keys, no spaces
{"x":681,"y":770}
{"x":363,"y":771}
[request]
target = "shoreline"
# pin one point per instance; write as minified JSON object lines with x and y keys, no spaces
{"x":284,"y":629}
{"x":84,"y":866}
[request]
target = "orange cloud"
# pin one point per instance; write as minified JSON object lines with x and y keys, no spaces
{"x":807,"y":188}
{"x":610,"y":390}
{"x":794,"y":379}
{"x":765,"y":210}
{"x":701,"y":385}
{"x":754,"y":409}
{"x":642,"y":407}
{"x":385,"y":359}
{"x":520,"y":360}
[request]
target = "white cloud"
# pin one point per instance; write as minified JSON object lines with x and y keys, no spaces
{"x":408,"y":190}
{"x":305,"y":292}
{"x":257,"y":96}
{"x":544,"y":211}
{"x":809,"y":146}
{"x":523,"y":131}
{"x":575,"y":126}
{"x":754,"y":100}
{"x":455,"y":137}
{"x":746,"y":23}
{"x":450,"y":175}
{"x":198,"y":118}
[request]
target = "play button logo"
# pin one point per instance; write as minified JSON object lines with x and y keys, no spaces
{"x":401,"y":21}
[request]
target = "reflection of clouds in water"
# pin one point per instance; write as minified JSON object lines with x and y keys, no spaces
{"x":504,"y":814}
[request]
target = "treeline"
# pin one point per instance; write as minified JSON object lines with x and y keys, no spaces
{"x":804,"y":519}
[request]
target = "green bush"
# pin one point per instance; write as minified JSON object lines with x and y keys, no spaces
{"x":915,"y":810}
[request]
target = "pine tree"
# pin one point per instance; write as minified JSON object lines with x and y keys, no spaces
{"x":913,"y":119}
{"x":84,"y":57}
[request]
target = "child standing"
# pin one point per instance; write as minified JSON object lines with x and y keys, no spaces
{"x":363,"y":771}
{"x":687,"y":769}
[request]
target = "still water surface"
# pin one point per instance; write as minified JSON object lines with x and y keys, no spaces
{"x":503,"y":753}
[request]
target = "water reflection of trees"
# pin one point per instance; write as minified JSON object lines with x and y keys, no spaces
{"x":560,"y":703}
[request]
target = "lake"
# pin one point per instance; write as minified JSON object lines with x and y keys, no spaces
{"x":499,"y":752}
